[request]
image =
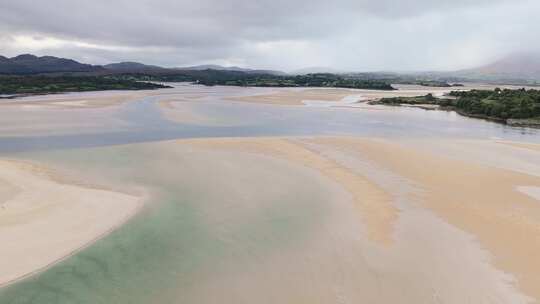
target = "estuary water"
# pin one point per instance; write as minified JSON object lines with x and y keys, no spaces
{"x":143,"y":122}
{"x":209,"y":219}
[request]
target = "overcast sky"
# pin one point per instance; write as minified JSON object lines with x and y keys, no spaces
{"x":362,"y":35}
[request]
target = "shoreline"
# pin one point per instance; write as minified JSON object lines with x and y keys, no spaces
{"x":74,"y":252}
{"x":436,"y":104}
{"x":517,"y":123}
{"x":23,"y":95}
{"x":83,"y":222}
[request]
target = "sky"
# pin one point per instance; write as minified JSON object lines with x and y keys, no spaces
{"x":347,"y":35}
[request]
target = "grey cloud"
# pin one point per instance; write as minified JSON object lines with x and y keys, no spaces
{"x":272,"y":34}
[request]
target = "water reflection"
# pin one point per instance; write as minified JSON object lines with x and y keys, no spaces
{"x":145,"y":122}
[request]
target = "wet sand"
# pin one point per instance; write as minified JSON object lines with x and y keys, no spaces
{"x":534,"y":147}
{"x":44,"y":219}
{"x":339,"y":97}
{"x":481,"y":204}
{"x":86,"y":100}
{"x":296,"y":96}
{"x":481,"y":200}
{"x":374,"y":203}
{"x":330,"y":219}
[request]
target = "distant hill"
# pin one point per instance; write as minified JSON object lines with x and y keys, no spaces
{"x":30,"y":64}
{"x":317,"y":70}
{"x":212,"y":67}
{"x":50,"y":73}
{"x":515,"y":69}
{"x":230,"y":69}
{"x":515,"y":66}
{"x":132,"y":67}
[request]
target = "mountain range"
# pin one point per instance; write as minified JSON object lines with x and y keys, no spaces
{"x":515,"y":66}
{"x":525,"y":66}
{"x":30,"y":64}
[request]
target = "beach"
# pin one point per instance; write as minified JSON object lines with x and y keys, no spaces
{"x":258,"y":196}
{"x":44,"y":218}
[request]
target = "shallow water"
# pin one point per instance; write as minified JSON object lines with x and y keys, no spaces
{"x":191,"y":229}
{"x":207,"y":217}
{"x":144,"y":122}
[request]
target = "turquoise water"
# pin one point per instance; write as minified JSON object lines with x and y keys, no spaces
{"x":185,"y":235}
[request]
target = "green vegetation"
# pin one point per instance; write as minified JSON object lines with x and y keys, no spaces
{"x":210,"y":77}
{"x":23,"y":85}
{"x":501,"y":104}
{"x":41,"y":84}
{"x":428,"y":99}
{"x":394,"y":78}
{"x":157,"y":77}
{"x":236,"y":78}
{"x":310,"y":80}
{"x":514,"y":107}
{"x":436,"y":83}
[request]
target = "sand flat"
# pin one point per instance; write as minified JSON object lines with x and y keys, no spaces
{"x":79,"y":100}
{"x":533,"y":192}
{"x":295,"y":96}
{"x":478,"y":199}
{"x":374,"y":203}
{"x":490,"y":153}
{"x":298,"y":96}
{"x":432,"y":251}
{"x":46,"y":220}
{"x":534,"y":147}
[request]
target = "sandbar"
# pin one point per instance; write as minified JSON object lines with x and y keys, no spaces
{"x":44,"y":218}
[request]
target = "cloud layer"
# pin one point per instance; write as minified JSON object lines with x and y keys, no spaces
{"x":344,"y":34}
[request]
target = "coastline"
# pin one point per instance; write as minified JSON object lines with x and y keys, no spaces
{"x":518,"y":123}
{"x":73,"y":216}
